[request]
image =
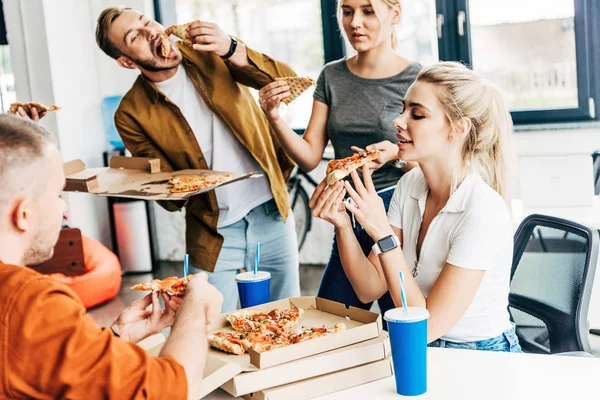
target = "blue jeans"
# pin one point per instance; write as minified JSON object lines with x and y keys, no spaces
{"x":507,"y":342}
{"x":278,"y":256}
{"x":334,"y":283}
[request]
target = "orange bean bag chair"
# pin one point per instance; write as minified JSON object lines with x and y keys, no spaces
{"x":102,"y":279}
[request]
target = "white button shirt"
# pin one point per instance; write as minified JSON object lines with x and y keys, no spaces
{"x":472,"y":231}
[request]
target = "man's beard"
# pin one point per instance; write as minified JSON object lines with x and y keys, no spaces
{"x":150,"y":65}
{"x":41,"y":249}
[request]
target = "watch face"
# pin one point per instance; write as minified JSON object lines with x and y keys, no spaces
{"x":387,"y":243}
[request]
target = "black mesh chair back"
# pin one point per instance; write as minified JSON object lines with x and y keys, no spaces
{"x":596,"y":158}
{"x":551,"y":282}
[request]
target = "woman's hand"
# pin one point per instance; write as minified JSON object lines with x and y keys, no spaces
{"x":326,"y":203}
{"x":389,"y":152}
{"x":270,"y":96}
{"x":368,"y":207}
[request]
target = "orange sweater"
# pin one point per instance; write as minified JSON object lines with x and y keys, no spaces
{"x":50,"y":348}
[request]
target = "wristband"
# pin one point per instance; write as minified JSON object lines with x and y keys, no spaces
{"x":231,"y":49}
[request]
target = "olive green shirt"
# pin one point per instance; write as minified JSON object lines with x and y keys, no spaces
{"x":152,"y":126}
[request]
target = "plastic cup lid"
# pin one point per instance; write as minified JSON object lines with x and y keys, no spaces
{"x":250,"y":277}
{"x":413,"y":314}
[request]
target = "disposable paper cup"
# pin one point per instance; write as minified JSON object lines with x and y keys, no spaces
{"x":254,"y":289}
{"x":408,"y":337}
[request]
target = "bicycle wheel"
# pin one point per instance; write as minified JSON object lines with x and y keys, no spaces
{"x":302,"y":216}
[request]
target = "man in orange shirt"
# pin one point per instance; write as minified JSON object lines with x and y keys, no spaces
{"x":49,"y":347}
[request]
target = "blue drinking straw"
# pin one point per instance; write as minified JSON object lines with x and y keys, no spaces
{"x":257,"y":259}
{"x":186,"y":260}
{"x":403,"y":291}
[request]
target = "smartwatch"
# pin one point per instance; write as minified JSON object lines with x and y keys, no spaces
{"x":398,"y":163}
{"x":385,"y":244}
{"x":231,"y":49}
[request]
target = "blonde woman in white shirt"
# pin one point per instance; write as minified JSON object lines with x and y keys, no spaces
{"x":448,"y":227}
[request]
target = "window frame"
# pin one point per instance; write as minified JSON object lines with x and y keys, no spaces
{"x":588,"y":84}
{"x":453,"y":47}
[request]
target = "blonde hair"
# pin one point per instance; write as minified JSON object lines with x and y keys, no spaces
{"x":488,"y":145}
{"x":389,"y":3}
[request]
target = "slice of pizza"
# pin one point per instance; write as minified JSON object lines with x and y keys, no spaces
{"x":29,"y":105}
{"x":181,"y":31}
{"x":173,"y":285}
{"x":164,"y":46}
{"x":192,"y":183}
{"x":230,"y":342}
{"x":298,"y":85}
{"x":339,"y":169}
{"x":308,"y":333}
{"x":274,"y":321}
{"x":264,"y":340}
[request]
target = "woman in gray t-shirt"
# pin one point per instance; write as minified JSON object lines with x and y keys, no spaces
{"x":356,"y":100}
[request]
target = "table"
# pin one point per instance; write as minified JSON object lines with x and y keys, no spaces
{"x":471,"y":374}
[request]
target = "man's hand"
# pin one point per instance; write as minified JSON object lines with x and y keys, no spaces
{"x":200,"y":293}
{"x":389,"y":152}
{"x":136,"y":322}
{"x":35,"y":116}
{"x":207,"y":36}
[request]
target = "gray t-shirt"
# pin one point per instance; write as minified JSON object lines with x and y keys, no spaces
{"x":361,"y":111}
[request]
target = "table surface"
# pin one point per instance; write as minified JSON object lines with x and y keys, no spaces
{"x":472,"y":374}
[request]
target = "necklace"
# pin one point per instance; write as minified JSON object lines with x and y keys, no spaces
{"x":415,"y":270}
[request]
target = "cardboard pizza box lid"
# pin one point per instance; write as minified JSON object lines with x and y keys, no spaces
{"x":360,"y":324}
{"x":134,"y":177}
{"x":329,"y":383}
{"x":320,"y":364}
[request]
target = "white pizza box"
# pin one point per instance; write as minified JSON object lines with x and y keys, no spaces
{"x":326,"y":384}
{"x":319,"y":364}
{"x":360,"y":324}
{"x":134,"y":177}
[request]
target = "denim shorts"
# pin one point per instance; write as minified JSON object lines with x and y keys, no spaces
{"x":507,"y":342}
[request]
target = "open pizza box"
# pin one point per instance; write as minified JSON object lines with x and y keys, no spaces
{"x":134,"y":177}
{"x":329,"y":383}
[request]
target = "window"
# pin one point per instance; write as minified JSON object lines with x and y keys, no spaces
{"x":8,"y":94}
{"x":539,"y":52}
{"x":287,"y":30}
{"x":416,"y":37}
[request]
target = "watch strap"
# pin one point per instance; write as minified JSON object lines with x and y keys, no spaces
{"x":232,"y":48}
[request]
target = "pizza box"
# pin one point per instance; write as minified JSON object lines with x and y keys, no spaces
{"x":319,"y":364}
{"x":326,"y":384}
{"x":134,"y":177}
{"x":360,"y":324}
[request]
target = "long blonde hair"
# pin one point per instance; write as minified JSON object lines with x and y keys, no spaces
{"x":389,"y":3}
{"x":488,"y":145}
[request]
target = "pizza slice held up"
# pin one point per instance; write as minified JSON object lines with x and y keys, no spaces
{"x":298,"y":85}
{"x":181,"y":31}
{"x":173,"y":285}
{"x":29,"y":105}
{"x":339,"y":169}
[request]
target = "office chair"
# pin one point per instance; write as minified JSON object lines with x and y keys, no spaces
{"x":596,"y":161}
{"x":552,"y":274}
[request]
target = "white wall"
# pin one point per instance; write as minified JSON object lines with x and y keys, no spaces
{"x":56,"y":61}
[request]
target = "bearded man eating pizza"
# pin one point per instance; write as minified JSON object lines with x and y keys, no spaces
{"x":192,"y":109}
